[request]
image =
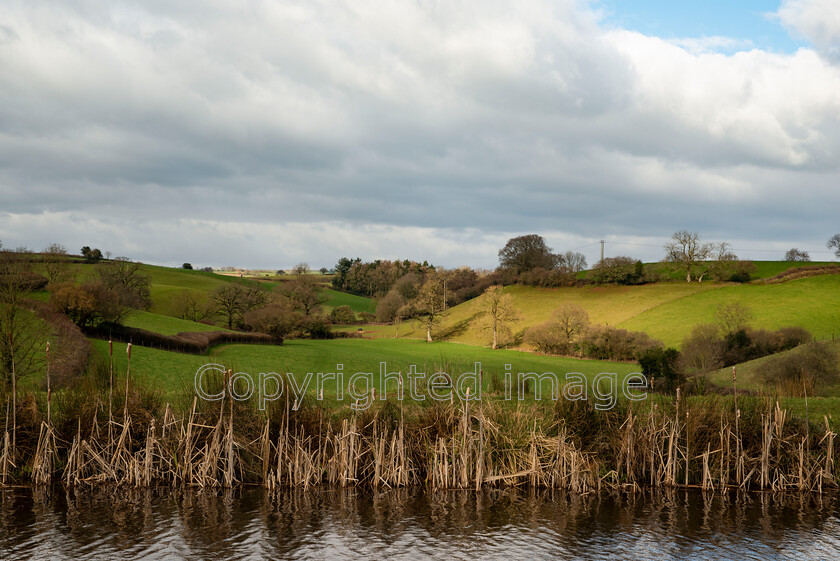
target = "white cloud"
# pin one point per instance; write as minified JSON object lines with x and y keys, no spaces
{"x":428,"y":129}
{"x":818,"y":21}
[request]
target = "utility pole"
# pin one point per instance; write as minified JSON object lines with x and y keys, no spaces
{"x":602,"y":249}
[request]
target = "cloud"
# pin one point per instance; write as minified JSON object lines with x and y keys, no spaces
{"x":818,"y":21}
{"x":271,"y":133}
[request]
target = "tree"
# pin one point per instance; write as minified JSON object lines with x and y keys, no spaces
{"x":722,"y":263}
{"x":702,"y":350}
{"x":278,"y":319}
{"x":732,"y":317}
{"x":191,"y":305}
{"x":833,"y":244}
{"x":573,"y":261}
{"x":686,"y":250}
{"x":388,"y":307}
{"x":498,"y":313}
{"x":55,"y":263}
{"x":324,"y":270}
{"x":187,"y":266}
{"x":125,"y":276}
{"x":303,"y":293}
{"x":93,"y":303}
{"x":301,"y":268}
{"x":20,"y":336}
{"x":342,"y":269}
{"x":428,"y":304}
{"x":91,"y":255}
{"x":525,"y":253}
{"x":794,"y":254}
{"x":233,"y":300}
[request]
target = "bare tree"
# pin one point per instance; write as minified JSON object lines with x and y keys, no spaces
{"x":686,"y":250}
{"x":303,"y":294}
{"x":732,"y":317}
{"x":794,"y":254}
{"x":573,"y":261}
{"x":721,"y":262}
{"x":126,"y":276}
{"x":20,"y":335}
{"x":233,"y":300}
{"x":301,"y":268}
{"x":833,"y":244}
{"x":428,"y":304}
{"x":55,"y":264}
{"x":499,"y":313}
{"x":191,"y":305}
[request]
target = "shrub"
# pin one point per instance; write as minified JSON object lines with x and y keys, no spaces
{"x":618,"y":270}
{"x":609,"y":343}
{"x":702,"y":350}
{"x":660,"y":367}
{"x":560,"y":334}
{"x":278,"y":319}
{"x":342,"y":315}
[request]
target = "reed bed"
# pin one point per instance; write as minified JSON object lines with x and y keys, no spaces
{"x":713,"y":443}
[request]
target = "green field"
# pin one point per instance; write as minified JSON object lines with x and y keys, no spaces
{"x":356,"y":303}
{"x":166,"y":325}
{"x":172,"y":372}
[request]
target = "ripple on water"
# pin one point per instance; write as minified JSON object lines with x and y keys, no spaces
{"x":410,"y":524}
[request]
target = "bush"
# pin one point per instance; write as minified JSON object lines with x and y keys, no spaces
{"x":618,"y":270}
{"x":609,"y":343}
{"x":560,"y":334}
{"x":278,"y":319}
{"x":702,"y":350}
{"x":342,"y":315}
{"x":660,"y":367}
{"x":549,"y":339}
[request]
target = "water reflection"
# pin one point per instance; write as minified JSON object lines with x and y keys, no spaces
{"x":408,"y":523}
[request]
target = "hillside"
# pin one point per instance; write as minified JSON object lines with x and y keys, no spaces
{"x":666,"y":311}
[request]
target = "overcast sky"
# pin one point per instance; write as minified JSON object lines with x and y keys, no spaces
{"x":261,"y":134}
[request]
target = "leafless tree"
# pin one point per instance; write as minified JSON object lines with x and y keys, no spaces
{"x":301,"y":268}
{"x":498,"y":313}
{"x":833,"y":244}
{"x":687,"y":251}
{"x":428,"y":304}
{"x":55,"y":264}
{"x":794,"y":254}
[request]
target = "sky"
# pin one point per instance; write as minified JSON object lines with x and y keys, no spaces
{"x":263,"y":134}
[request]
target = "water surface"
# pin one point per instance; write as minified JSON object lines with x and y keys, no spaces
{"x":332,"y":523}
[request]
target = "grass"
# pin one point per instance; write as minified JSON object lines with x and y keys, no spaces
{"x":166,"y":325}
{"x":172,"y":372}
{"x":666,"y":311}
{"x":166,"y":371}
{"x":812,"y":303}
{"x":356,"y":303}
{"x":749,"y":373}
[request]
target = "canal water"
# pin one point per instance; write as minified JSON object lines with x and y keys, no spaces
{"x":333,"y":523}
